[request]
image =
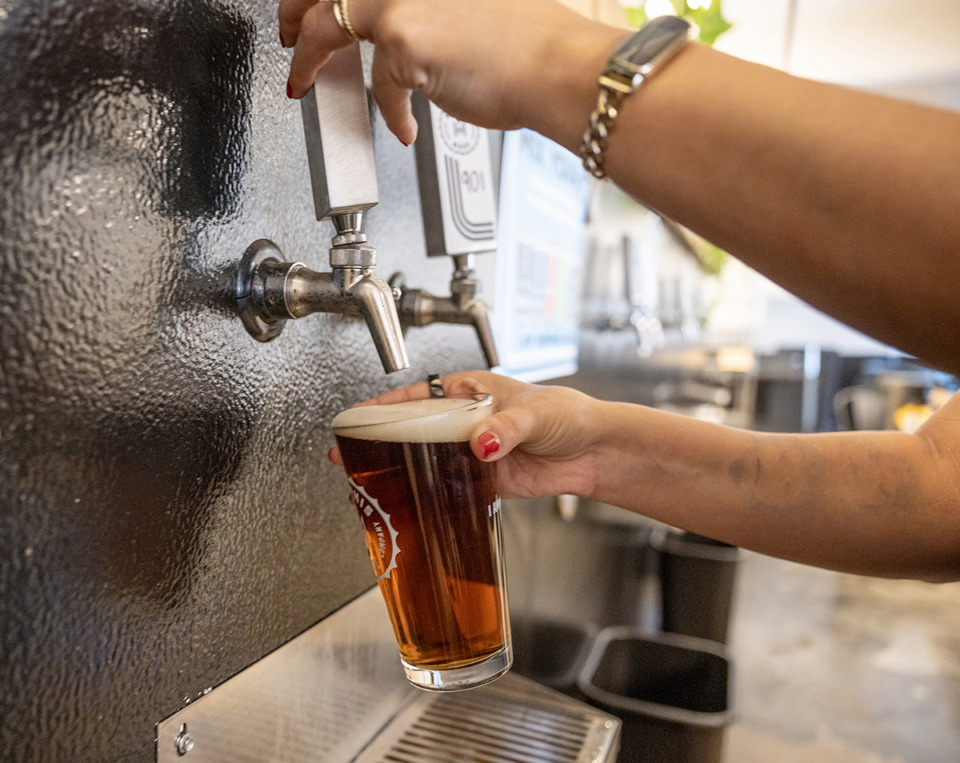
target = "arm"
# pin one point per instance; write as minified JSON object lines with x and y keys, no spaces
{"x":847,"y":199}
{"x":877,"y":503}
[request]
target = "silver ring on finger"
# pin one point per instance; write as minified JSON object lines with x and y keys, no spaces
{"x":436,"y":385}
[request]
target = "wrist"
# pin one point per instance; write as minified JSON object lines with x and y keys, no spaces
{"x":632,"y":64}
{"x":607,"y":423}
{"x":560,"y":99}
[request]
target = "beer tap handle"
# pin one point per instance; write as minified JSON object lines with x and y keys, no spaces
{"x":336,"y":123}
{"x":455,"y":175}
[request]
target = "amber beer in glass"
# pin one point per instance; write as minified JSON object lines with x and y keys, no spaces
{"x":431,"y":516}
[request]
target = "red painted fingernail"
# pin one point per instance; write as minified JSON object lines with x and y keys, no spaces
{"x":289,"y":90}
{"x":490,"y":443}
{"x":405,"y":144}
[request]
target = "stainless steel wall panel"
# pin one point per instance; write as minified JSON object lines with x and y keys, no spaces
{"x":167,"y":513}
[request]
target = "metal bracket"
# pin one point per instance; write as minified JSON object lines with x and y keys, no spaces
{"x":261,"y":254}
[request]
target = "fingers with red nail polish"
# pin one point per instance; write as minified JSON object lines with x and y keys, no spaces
{"x":489,"y":443}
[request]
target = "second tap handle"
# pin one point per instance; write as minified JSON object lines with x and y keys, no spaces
{"x":336,"y":124}
{"x":455,"y":175}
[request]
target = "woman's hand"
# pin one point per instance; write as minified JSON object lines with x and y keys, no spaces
{"x":544,"y":439}
{"x":497,"y":63}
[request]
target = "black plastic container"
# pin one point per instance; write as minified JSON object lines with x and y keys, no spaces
{"x":551,"y":652}
{"x":697,"y":578}
{"x":672,"y":692}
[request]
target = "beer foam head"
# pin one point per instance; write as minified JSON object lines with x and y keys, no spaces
{"x":442,"y":419}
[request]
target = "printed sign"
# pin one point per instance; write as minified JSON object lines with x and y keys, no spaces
{"x":465,"y":180}
{"x":544,"y":194}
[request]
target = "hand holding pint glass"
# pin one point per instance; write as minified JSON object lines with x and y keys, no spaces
{"x":431,"y":515}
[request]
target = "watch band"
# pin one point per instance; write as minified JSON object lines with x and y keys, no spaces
{"x":632,"y":63}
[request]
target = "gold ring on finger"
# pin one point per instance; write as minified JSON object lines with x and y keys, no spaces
{"x":342,"y":16}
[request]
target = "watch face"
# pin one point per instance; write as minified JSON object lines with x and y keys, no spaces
{"x":656,"y":41}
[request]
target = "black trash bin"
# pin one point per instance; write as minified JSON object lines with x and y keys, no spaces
{"x":551,"y":652}
{"x":697,"y":577}
{"x":672,"y":692}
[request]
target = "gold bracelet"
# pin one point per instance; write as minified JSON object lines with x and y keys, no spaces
{"x":632,"y":63}
{"x":601,"y":123}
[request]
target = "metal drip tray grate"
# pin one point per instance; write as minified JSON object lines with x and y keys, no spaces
{"x":336,"y":694}
{"x":513,"y":720}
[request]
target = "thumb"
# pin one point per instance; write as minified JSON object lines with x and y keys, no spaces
{"x":497,"y":435}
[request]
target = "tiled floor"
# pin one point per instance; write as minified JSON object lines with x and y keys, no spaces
{"x":834,"y":668}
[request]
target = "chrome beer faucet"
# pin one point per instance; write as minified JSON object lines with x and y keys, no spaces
{"x":421,"y":308}
{"x":340,"y":153}
{"x":455,"y":176}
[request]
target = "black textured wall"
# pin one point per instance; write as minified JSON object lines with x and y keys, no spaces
{"x":167,"y":514}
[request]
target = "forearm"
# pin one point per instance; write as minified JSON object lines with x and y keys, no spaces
{"x":877,"y":503}
{"x":847,"y":199}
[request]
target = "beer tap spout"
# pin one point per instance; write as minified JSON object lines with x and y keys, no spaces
{"x":418,"y":307}
{"x":374,"y":299}
{"x":479,"y":312}
{"x":270,"y":291}
{"x":344,"y":180}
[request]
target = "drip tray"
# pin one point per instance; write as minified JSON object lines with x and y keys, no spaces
{"x":336,"y":693}
{"x":512,"y":720}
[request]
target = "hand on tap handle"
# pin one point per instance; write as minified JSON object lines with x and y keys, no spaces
{"x":848,"y":199}
{"x":465,"y":57}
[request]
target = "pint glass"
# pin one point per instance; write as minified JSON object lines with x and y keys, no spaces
{"x":431,"y":516}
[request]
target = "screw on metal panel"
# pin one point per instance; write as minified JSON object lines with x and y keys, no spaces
{"x":184,"y":741}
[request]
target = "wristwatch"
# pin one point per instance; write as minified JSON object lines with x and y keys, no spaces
{"x":633,"y":62}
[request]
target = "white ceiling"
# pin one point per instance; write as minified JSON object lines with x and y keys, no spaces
{"x":870,"y":43}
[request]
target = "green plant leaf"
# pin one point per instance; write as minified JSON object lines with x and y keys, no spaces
{"x":709,"y":21}
{"x":637,"y":17}
{"x":708,"y":18}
